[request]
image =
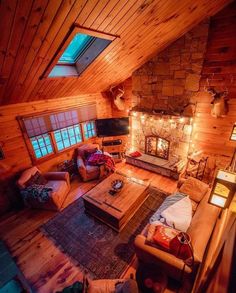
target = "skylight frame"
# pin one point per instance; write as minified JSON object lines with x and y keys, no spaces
{"x":70,"y":68}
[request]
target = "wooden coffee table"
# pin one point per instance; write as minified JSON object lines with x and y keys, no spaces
{"x":116,"y":210}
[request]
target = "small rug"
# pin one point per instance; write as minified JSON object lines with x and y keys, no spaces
{"x":93,"y":245}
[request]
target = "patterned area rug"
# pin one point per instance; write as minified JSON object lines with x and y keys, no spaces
{"x":94,"y":246}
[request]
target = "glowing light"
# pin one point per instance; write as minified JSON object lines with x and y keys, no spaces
{"x":218,"y":200}
{"x":135,"y":114}
{"x":181,"y":120}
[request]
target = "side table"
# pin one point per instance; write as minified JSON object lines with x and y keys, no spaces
{"x":68,"y":166}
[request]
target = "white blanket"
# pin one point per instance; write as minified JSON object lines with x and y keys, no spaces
{"x":179,"y":215}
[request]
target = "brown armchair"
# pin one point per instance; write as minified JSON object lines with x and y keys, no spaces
{"x":87,"y":172}
{"x":58,"y":182}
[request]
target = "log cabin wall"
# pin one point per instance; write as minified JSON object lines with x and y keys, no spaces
{"x":212,"y":134}
{"x":17,"y":157}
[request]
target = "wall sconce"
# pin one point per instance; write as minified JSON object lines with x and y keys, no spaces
{"x":233,"y":133}
{"x":223,"y":189}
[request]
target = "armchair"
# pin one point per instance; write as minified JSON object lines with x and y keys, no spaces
{"x":86,"y":171}
{"x":57,"y":182}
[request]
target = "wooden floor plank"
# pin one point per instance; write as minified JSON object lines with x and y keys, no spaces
{"x":46,"y":268}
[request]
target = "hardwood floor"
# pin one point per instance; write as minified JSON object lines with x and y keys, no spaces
{"x":45,"y":267}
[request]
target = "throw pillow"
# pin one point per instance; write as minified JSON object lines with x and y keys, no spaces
{"x":195,"y":188}
{"x":163,"y":236}
{"x":179,"y":215}
{"x":37,"y":178}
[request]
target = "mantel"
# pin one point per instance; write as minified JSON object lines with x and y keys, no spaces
{"x":160,"y":113}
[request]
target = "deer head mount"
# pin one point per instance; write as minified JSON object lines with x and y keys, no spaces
{"x":219,"y":104}
{"x":117,"y":93}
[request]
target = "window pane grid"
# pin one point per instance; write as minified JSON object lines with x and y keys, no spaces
{"x":41,"y":145}
{"x":89,"y":129}
{"x":67,"y":137}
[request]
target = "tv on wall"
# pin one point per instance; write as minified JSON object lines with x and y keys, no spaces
{"x":112,"y":126}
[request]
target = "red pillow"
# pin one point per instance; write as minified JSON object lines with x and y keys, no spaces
{"x":163,"y":236}
{"x":135,"y":154}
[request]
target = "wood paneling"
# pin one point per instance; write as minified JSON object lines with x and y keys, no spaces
{"x":17,"y":157}
{"x":32,"y":31}
{"x":212,"y":134}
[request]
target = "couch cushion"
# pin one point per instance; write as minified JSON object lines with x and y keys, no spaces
{"x":92,"y":169}
{"x":26,"y":175}
{"x":37,"y":178}
{"x":60,"y":189}
{"x":202,"y":226}
{"x":195,"y":188}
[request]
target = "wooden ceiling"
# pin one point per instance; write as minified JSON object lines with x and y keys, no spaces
{"x":33,"y":30}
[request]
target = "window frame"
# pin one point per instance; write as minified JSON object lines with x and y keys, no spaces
{"x":87,"y":131}
{"x":71,"y":146}
{"x":69,"y":37}
{"x":55,"y":152}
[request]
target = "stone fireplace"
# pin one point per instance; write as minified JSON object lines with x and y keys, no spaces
{"x":163,"y":142}
{"x":174,"y":130}
{"x":165,"y":88}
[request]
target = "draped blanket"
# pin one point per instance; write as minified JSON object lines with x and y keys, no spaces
{"x":102,"y":159}
{"x":175,"y":211}
{"x":36,"y":192}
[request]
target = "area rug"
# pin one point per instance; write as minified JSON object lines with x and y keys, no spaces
{"x":93,"y":245}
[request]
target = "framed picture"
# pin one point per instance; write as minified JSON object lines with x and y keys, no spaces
{"x":1,"y":154}
{"x":157,"y":146}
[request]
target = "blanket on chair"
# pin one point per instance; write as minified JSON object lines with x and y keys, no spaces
{"x":102,"y":159}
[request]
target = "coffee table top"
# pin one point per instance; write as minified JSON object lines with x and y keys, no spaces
{"x":116,"y":205}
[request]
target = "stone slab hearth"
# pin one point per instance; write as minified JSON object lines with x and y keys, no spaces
{"x":160,"y":166}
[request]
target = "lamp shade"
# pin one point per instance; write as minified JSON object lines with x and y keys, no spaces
{"x":223,"y":189}
{"x":233,"y":133}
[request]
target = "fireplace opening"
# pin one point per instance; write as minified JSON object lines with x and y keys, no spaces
{"x":157,"y":146}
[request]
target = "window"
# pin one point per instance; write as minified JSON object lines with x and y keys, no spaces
{"x":68,"y":137}
{"x":42,"y":145}
{"x":75,"y":48}
{"x":89,"y":129}
{"x":52,"y":133}
{"x":80,"y":49}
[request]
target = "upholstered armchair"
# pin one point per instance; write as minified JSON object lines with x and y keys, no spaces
{"x":57,"y":183}
{"x":86,"y":171}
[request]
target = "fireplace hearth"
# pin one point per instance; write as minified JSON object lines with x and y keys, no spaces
{"x":163,"y":142}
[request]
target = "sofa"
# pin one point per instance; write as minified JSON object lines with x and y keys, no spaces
{"x":86,"y":171}
{"x":200,"y":230}
{"x":58,"y":183}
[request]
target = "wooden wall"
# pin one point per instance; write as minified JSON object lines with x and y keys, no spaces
{"x":212,"y":134}
{"x":16,"y":154}
{"x":33,"y":31}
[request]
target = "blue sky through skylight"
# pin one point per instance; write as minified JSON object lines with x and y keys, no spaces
{"x":76,"y":46}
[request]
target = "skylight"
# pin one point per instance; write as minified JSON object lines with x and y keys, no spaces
{"x":82,"y":50}
{"x":75,"y":48}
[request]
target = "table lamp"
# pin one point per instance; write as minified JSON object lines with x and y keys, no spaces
{"x":223,"y":189}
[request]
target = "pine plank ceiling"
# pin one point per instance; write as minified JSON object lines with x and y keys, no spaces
{"x":31,"y":32}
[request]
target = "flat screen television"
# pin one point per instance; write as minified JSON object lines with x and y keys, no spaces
{"x":112,"y":126}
